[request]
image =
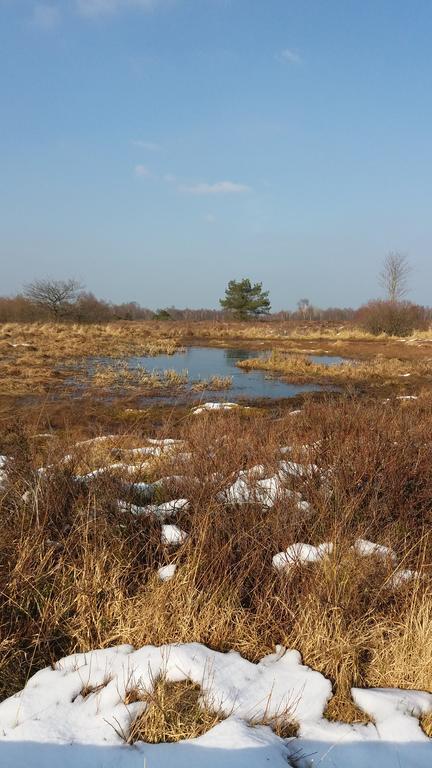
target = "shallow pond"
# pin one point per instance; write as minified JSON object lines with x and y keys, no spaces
{"x":204,"y":362}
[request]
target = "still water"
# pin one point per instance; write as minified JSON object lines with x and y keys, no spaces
{"x":204,"y":362}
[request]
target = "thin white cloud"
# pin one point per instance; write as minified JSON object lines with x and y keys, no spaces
{"x":142,"y":171}
{"x":150,"y":146}
{"x":46,"y":16}
{"x":104,"y":7}
{"x":170,"y":178}
{"x":290,"y":56}
{"x":219,"y":188}
{"x":210,"y":218}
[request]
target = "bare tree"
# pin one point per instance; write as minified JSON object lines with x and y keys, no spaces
{"x":53,"y":295}
{"x":394,"y":275}
{"x":304,"y":307}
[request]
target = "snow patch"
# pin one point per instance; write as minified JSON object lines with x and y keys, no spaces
{"x":173,"y":535}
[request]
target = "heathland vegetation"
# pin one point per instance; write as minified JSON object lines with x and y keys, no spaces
{"x":130,"y":517}
{"x":80,"y":549}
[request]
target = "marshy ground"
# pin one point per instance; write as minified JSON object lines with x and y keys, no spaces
{"x":46,"y":364}
{"x":82,"y":542}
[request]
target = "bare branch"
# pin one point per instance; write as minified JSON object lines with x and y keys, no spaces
{"x":53,"y":295}
{"x":394,"y":275}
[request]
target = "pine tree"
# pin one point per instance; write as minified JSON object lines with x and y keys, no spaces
{"x":245,"y":300}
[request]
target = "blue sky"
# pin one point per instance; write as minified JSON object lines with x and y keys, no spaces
{"x":156,"y":149}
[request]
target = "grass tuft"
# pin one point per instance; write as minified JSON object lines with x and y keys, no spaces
{"x":173,"y":711}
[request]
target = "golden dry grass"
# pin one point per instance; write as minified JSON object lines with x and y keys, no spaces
{"x":37,"y":358}
{"x":119,"y":374}
{"x":172,"y":711}
{"x":213,"y":383}
{"x":77,"y":572}
{"x":378,"y":370}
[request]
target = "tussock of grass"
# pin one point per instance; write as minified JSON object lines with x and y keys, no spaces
{"x":377,"y":370}
{"x":213,"y":383}
{"x":119,"y":374}
{"x":77,"y":572}
{"x":88,"y":690}
{"x":172,"y":711}
{"x":426,"y":724}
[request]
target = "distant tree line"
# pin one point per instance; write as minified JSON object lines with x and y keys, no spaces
{"x":68,"y":301}
{"x":89,"y":309}
{"x":86,"y":309}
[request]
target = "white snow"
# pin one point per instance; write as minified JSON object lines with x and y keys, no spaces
{"x":146,"y":450}
{"x":166,"y":442}
{"x":135,"y":509}
{"x":166,"y":509}
{"x":173,"y":535}
{"x":402,"y":575}
{"x":3,"y":473}
{"x":174,"y":480}
{"x":166,"y":572}
{"x":50,"y":723}
{"x":214,"y":407}
{"x":300,"y":553}
{"x":248,"y":489}
{"x":99,"y":439}
{"x":365,"y":548}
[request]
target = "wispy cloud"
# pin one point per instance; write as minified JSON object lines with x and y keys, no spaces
{"x":103,"y":7}
{"x":219,"y":188}
{"x":150,"y":146}
{"x":142,"y":172}
{"x":46,"y":16}
{"x":288,"y":55}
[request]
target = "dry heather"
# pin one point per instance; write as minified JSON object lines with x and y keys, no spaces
{"x":79,"y":572}
{"x":379,"y":370}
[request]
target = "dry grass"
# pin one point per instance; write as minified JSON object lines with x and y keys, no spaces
{"x":77,"y":572}
{"x":426,"y":724}
{"x":378,"y":370}
{"x":172,"y":711}
{"x":213,"y":383}
{"x":37,"y":358}
{"x":118,"y":374}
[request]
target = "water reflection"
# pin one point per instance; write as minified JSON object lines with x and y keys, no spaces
{"x":205,"y":362}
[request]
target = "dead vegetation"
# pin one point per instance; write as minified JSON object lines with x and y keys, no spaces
{"x":118,"y":374}
{"x":42,"y":358}
{"x":172,"y":711}
{"x":377,"y":371}
{"x":213,"y":383}
{"x":79,"y":572}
